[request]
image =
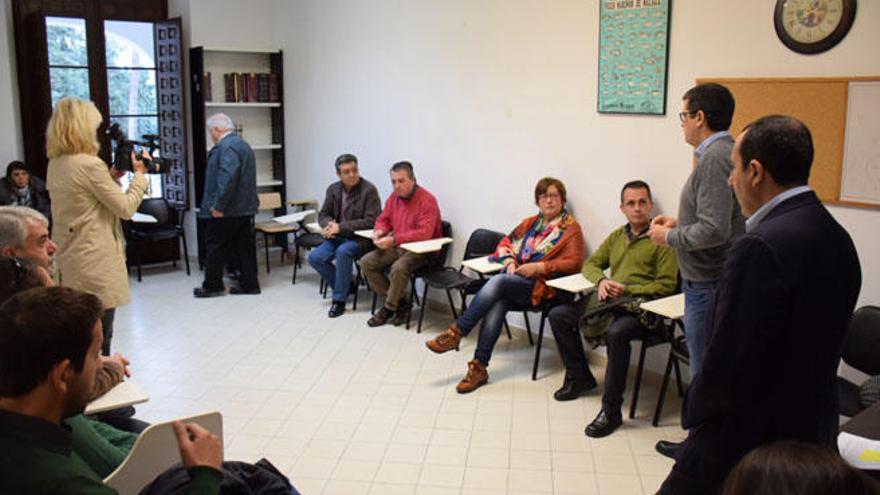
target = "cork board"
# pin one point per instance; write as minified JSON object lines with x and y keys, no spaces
{"x":821,"y":103}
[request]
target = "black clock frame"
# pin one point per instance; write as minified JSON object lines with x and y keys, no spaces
{"x":825,"y":44}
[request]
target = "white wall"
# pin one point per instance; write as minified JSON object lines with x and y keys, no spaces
{"x":484,"y":97}
{"x":11,"y":146}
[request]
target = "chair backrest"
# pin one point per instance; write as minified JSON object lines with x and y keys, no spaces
{"x":861,"y":344}
{"x":269,"y":201}
{"x":443,"y":255}
{"x":482,"y":242}
{"x":157,"y":207}
{"x":154,"y":451}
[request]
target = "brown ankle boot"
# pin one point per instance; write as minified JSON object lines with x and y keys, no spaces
{"x":476,"y":377}
{"x":446,"y":341}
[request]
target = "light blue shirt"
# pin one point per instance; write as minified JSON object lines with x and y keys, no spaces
{"x":767,"y":207}
{"x":708,"y":141}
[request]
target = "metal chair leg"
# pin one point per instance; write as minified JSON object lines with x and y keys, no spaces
{"x":295,"y":261}
{"x":538,"y":346}
{"x":266,"y":249}
{"x":639,"y":370}
{"x":528,"y":328}
{"x":663,"y":386}
{"x":185,"y":253}
{"x":422,"y":308}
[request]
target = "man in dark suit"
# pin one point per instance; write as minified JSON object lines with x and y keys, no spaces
{"x":229,"y":205}
{"x":787,"y":291}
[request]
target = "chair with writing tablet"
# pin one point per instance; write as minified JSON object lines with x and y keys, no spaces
{"x":154,"y":451}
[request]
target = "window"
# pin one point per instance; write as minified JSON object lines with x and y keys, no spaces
{"x":123,"y":55}
{"x":68,"y":58}
{"x":131,"y":84}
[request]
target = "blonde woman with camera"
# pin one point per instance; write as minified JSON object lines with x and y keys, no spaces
{"x":87,"y":204}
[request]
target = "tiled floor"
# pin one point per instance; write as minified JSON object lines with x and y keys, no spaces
{"x":347,"y":409}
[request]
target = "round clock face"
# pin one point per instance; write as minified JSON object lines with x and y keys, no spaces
{"x":813,"y":26}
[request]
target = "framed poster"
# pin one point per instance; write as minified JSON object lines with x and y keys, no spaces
{"x":633,"y":56}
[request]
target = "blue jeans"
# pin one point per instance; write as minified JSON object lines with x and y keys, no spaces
{"x":344,"y":251}
{"x":699,"y":299}
{"x":491,"y":304}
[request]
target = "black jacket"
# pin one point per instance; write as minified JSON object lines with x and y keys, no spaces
{"x":363,"y":206}
{"x":786,"y":294}
{"x":39,"y":195}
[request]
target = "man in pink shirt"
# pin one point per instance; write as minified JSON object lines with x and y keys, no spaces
{"x":411,"y":214}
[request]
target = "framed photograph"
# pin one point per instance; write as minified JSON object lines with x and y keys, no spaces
{"x":633,"y":56}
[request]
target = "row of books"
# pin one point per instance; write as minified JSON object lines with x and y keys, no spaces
{"x":246,"y":87}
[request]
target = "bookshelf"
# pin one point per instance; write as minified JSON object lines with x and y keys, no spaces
{"x":253,"y":98}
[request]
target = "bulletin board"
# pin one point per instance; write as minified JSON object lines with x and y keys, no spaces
{"x":822,"y":104}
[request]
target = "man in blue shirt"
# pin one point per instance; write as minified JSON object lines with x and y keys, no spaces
{"x":229,"y":205}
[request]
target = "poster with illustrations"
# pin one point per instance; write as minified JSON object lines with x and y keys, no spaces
{"x":633,"y":55}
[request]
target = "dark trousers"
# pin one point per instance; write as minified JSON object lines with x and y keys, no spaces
{"x":230,"y":238}
{"x":107,"y":329}
{"x":565,"y":324}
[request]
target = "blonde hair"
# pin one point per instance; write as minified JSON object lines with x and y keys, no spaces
{"x":73,"y":128}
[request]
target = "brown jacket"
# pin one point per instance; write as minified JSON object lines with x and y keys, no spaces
{"x":565,"y":258}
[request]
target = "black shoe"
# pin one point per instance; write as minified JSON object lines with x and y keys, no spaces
{"x":381,"y":317}
{"x":336,"y":309}
{"x":202,"y":292}
{"x":667,"y":448}
{"x":603,"y":425}
{"x":402,"y":312}
{"x":572,"y":388}
{"x":238,"y":291}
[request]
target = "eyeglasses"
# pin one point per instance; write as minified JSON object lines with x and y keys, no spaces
{"x":684,"y":115}
{"x":544,"y":196}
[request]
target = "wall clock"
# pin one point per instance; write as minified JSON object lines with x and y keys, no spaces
{"x":813,"y":26}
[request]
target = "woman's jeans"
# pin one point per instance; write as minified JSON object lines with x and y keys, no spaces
{"x":491,"y":304}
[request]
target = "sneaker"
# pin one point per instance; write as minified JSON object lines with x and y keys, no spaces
{"x":400,"y":316}
{"x":381,"y":317}
{"x":476,"y":377}
{"x":446,"y":341}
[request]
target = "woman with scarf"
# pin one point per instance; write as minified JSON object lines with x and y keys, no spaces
{"x":544,"y":246}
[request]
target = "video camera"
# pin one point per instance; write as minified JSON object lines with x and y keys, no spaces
{"x":124,"y":147}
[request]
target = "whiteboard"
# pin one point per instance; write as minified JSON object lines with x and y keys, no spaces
{"x":860,"y":181}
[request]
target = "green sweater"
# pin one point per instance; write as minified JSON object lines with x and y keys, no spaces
{"x":647,"y":270}
{"x":101,"y":446}
{"x":37,"y":457}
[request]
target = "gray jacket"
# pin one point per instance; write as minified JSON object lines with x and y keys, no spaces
{"x":230,"y":179}
{"x":363,"y":206}
{"x":709,"y":218}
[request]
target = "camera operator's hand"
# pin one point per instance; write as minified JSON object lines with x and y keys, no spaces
{"x":137,"y":164}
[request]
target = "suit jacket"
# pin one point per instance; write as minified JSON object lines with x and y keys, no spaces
{"x":231,"y":179}
{"x":786,"y":294}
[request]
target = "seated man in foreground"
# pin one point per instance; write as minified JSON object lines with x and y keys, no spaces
{"x":42,"y":385}
{"x":639,"y":269}
{"x":411,"y":214}
{"x":350,"y":204}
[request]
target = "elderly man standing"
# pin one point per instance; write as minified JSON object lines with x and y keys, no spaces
{"x":229,"y":205}
{"x":784,"y":300}
{"x":24,"y":233}
{"x":411,"y":214}
{"x":352,"y":203}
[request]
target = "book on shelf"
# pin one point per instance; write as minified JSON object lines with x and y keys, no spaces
{"x":252,"y":87}
{"x":206,"y":87}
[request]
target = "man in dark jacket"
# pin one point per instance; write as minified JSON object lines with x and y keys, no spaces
{"x":787,"y":290}
{"x":350,"y":204}
{"x":21,"y":188}
{"x":229,"y":205}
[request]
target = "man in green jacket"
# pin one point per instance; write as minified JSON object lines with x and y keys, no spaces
{"x":640,"y":270}
{"x":42,"y":384}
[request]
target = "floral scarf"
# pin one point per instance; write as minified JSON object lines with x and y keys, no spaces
{"x":541,"y":237}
